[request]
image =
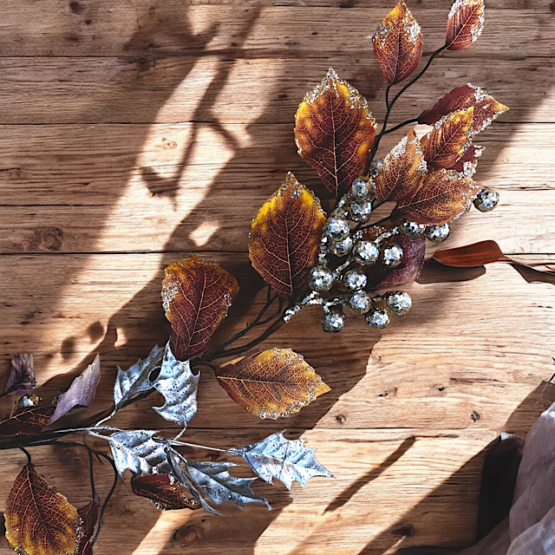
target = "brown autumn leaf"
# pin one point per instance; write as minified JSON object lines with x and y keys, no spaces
{"x":444,"y":195}
{"x":334,"y":132}
{"x":89,"y":516}
{"x":471,"y":256}
{"x":401,"y":173}
{"x":398,"y":44}
{"x":271,"y":384}
{"x":40,"y":521}
{"x":465,"y":23}
{"x":196,"y":296}
{"x":467,"y":163}
{"x":26,"y":421}
{"x":486,"y":108}
{"x":285,"y":237}
{"x":448,"y":140}
{"x":164,"y":491}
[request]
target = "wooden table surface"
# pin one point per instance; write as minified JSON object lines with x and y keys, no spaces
{"x":136,"y":132}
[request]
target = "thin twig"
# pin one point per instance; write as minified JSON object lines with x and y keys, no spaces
{"x":398,"y":126}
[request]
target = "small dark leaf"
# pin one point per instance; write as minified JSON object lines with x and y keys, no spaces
{"x":22,"y":376}
{"x":89,"y":517}
{"x":471,"y":256}
{"x":165,"y":492}
{"x":26,"y":421}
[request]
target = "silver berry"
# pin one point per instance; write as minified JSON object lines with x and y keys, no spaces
{"x":360,"y":302}
{"x":365,"y":253}
{"x":360,"y":189}
{"x":320,"y":279}
{"x":337,"y":228}
{"x":354,"y":280}
{"x":360,"y":212}
{"x":438,"y":233}
{"x":411,"y":228}
{"x":392,"y":255}
{"x":343,"y":247}
{"x":486,"y":200}
{"x":398,"y":302}
{"x":376,"y":167}
{"x":333,"y":321}
{"x":377,"y":318}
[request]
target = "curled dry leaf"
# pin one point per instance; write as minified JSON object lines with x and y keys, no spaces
{"x":465,"y":23}
{"x":471,"y":256}
{"x":285,"y":236}
{"x":448,"y":140}
{"x":165,"y":491}
{"x":40,"y":521}
{"x":196,"y":296}
{"x":271,"y":384}
{"x":444,"y":195}
{"x":398,"y":44}
{"x":22,"y":375}
{"x":401,"y":174}
{"x":334,"y":132}
{"x":26,"y":421}
{"x":486,"y":108}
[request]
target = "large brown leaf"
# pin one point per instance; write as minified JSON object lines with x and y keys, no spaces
{"x":486,"y":108}
{"x":197,"y":296}
{"x":465,"y":24}
{"x":448,"y":140}
{"x":26,"y":421}
{"x":40,"y":521}
{"x":401,"y":173}
{"x":271,"y":384}
{"x":334,"y":132}
{"x":398,"y":44}
{"x":444,"y":195}
{"x":285,"y":237}
{"x":164,"y":491}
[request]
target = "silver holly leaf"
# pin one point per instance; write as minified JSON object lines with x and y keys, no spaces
{"x":177,"y":383}
{"x":214,"y":479}
{"x":137,"y":377}
{"x":284,"y":459}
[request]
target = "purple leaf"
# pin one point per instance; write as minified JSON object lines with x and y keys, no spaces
{"x":22,"y":377}
{"x":80,"y":393}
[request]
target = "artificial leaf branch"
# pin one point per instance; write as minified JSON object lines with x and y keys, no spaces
{"x":344,"y":260}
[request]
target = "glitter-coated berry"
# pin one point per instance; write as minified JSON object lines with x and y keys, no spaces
{"x":333,"y":321}
{"x":411,"y":228}
{"x":337,"y":228}
{"x":377,"y":318}
{"x":343,"y":247}
{"x":376,"y":167}
{"x":398,"y":302}
{"x":354,"y":280}
{"x":486,"y":200}
{"x":365,"y":253}
{"x":360,"y":212}
{"x":392,"y":255}
{"x":320,"y":279}
{"x":438,"y":233}
{"x":360,"y":302}
{"x":360,"y":189}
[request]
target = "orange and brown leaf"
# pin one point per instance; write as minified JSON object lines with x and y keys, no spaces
{"x":40,"y":521}
{"x":486,"y":108}
{"x":448,"y":140}
{"x":164,"y":491}
{"x":465,"y":23}
{"x":471,"y":256}
{"x":467,"y":163}
{"x":285,"y":237}
{"x":196,"y":296}
{"x":334,"y":132}
{"x":401,"y":174}
{"x":444,"y":195}
{"x":26,"y":421}
{"x":271,"y":384}
{"x":398,"y":44}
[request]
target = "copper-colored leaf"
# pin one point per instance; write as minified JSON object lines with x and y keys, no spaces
{"x":444,"y":195}
{"x":401,"y":174}
{"x":164,"y":491}
{"x":398,"y":44}
{"x":271,"y":384}
{"x":448,"y":140}
{"x":471,"y":256}
{"x":40,"y":521}
{"x":89,"y":517}
{"x":197,"y":296}
{"x":334,"y":132}
{"x":465,"y":23}
{"x":26,"y":421}
{"x":467,"y":163}
{"x":285,"y":237}
{"x":486,"y":108}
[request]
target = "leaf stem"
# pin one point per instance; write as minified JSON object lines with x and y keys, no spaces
{"x":398,"y":126}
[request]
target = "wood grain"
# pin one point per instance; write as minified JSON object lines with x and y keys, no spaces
{"x":136,"y":132}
